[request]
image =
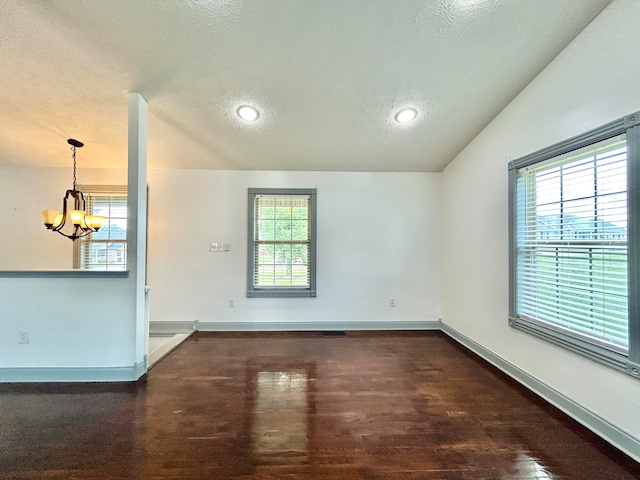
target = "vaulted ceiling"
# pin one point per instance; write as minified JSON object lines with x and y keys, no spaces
{"x":326,"y":76}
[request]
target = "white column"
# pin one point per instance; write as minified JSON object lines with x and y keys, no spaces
{"x":137,"y":217}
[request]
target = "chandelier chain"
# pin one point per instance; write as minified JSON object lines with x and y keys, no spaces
{"x":73,"y":149}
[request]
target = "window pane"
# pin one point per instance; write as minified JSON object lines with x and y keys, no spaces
{"x":118,"y":230}
{"x":300,"y":253}
{"x":283,"y":230}
{"x":283,"y":253}
{"x":105,"y":249}
{"x":266,"y":212}
{"x":612,"y":216}
{"x":571,"y":245}
{"x":103,"y":256}
{"x":266,"y":254}
{"x":283,"y":212}
{"x":299,"y":230}
{"x":301,"y":213}
{"x":103,"y":233}
{"x":577,"y":180}
{"x":300,"y":275}
{"x":266,"y":275}
{"x":266,"y":230}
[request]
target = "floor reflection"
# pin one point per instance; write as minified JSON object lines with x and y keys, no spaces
{"x":281,"y":424}
{"x":526,"y":466}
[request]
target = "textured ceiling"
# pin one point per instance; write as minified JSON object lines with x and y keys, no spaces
{"x":326,"y":75}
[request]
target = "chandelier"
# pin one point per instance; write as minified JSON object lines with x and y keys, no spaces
{"x":83,"y":224}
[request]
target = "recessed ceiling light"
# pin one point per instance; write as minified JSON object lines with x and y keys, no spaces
{"x":406,"y":115}
{"x":248,"y":113}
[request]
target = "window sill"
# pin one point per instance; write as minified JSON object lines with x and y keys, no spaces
{"x":266,"y":293}
{"x":64,"y":273}
{"x":604,"y":356}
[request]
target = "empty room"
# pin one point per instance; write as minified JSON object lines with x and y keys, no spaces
{"x":320,"y":239}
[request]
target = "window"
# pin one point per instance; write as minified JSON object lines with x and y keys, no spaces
{"x":281,"y":244}
{"x":574,"y":234}
{"x":105,"y":249}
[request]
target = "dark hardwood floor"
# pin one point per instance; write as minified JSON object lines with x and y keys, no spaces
{"x":378,"y":405}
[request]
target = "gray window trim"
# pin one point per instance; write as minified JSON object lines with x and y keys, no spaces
{"x":630,"y":364}
{"x":284,"y":292}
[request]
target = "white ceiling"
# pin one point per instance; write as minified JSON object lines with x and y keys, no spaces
{"x":326,"y":75}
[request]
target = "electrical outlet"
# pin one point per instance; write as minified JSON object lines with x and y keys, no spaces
{"x":392,"y":302}
{"x":232,"y":303}
{"x":23,"y":336}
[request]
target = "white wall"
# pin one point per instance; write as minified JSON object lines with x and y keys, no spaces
{"x":62,"y":335}
{"x":378,"y":238}
{"x":593,"y":81}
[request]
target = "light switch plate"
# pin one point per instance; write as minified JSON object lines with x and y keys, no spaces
{"x":216,"y":247}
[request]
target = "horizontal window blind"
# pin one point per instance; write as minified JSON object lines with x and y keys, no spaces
{"x":282,"y":234}
{"x":571,"y":243}
{"x":106,"y":249}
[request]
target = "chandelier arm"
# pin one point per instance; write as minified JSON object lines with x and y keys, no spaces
{"x":78,"y":232}
{"x":77,"y":235}
{"x":80,"y":201}
{"x":73,"y":236}
{"x":64,"y":213}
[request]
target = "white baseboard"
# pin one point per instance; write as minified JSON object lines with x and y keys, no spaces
{"x":317,"y":326}
{"x":73,"y":374}
{"x":172,"y":327}
{"x":601,"y":427}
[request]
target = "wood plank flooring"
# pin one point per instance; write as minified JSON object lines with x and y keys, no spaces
{"x":367,"y":405}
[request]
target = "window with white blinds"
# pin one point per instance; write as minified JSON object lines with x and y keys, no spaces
{"x":105,"y":249}
{"x":574,"y":229}
{"x":572,"y":243}
{"x":281,"y":253}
